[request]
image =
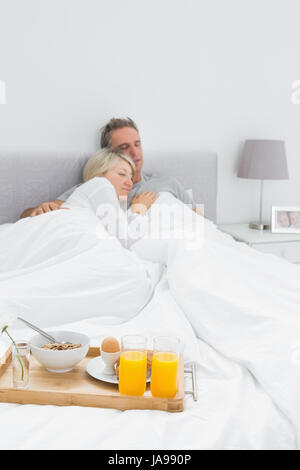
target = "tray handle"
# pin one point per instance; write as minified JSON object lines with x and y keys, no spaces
{"x":192,"y":371}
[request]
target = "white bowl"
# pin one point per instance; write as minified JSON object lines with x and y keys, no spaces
{"x":60,"y":361}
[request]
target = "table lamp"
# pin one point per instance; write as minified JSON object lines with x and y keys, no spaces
{"x":263,"y":160}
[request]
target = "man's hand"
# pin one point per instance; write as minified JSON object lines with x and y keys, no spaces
{"x":197,"y":211}
{"x":42,"y":208}
{"x":141,"y":203}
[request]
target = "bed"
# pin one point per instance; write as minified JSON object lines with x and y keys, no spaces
{"x":240,"y":404}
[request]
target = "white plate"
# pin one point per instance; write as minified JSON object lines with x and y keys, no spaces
{"x":95,"y":368}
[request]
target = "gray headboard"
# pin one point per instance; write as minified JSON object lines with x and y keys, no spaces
{"x":28,"y":180}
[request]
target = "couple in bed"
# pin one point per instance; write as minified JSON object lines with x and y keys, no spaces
{"x":47,"y":261}
{"x":64,"y":262}
{"x":123,"y":135}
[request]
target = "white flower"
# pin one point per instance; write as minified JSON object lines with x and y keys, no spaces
{"x":6,"y":320}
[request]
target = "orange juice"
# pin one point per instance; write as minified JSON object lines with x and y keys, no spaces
{"x":133,"y":372}
{"x":164,"y":374}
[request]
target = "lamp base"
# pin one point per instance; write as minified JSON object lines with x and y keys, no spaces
{"x":259,"y":226}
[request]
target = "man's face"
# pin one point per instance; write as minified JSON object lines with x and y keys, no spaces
{"x":128,"y":141}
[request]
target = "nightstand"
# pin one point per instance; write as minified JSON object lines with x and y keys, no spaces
{"x":281,"y":244}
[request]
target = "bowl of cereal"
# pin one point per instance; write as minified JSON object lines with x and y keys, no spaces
{"x":58,"y":357}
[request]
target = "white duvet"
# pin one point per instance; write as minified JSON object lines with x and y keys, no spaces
{"x":64,"y":266}
{"x":236,"y":313}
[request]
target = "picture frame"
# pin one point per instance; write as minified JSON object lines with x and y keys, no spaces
{"x":285,"y":219}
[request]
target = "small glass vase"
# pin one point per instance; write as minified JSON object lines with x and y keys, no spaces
{"x":20,"y":364}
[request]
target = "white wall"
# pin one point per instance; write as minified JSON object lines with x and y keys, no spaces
{"x":194,"y":74}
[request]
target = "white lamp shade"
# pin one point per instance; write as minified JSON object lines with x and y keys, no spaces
{"x":264,"y":160}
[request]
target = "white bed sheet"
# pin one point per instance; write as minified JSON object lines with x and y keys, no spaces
{"x":232,"y":412}
{"x":4,"y":227}
{"x":221,"y":304}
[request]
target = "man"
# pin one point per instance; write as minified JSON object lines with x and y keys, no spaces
{"x":123,"y":134}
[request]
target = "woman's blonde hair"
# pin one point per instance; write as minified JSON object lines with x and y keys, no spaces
{"x":104,"y":160}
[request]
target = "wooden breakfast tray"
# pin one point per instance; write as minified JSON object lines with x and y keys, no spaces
{"x":78,"y":388}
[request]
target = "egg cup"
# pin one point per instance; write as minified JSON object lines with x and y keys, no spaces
{"x":109,"y":360}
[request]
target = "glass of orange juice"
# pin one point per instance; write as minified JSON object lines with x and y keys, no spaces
{"x":133,"y":365}
{"x":164,"y":366}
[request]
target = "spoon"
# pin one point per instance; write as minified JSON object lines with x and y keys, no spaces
{"x":43,"y":333}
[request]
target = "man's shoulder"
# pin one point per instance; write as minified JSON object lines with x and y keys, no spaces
{"x":158,"y":183}
{"x":156,"y":177}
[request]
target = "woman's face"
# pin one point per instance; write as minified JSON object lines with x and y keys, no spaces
{"x":121,"y":177}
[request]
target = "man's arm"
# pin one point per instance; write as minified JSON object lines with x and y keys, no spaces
{"x":49,"y":206}
{"x":42,"y":208}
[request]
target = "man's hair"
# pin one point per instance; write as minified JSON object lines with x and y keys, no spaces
{"x":102,"y":161}
{"x":112,"y":125}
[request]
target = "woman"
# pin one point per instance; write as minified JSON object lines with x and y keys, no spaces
{"x":108,"y":177}
{"x":63,"y":265}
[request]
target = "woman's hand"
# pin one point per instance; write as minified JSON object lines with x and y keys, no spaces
{"x":141,"y":203}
